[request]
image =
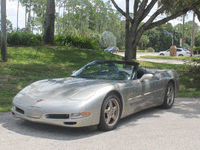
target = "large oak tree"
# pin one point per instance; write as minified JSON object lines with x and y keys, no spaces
{"x":142,"y":9}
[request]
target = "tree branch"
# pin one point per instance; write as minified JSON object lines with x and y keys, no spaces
{"x":121,"y":11}
{"x":135,"y":7}
{"x":197,"y":12}
{"x":148,"y":9}
{"x":160,"y":22}
{"x":151,"y":19}
{"x":138,"y":14}
{"x":142,"y":7}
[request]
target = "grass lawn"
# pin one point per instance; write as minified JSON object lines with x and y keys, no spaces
{"x":28,"y":64}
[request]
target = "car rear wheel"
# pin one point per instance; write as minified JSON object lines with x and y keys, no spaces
{"x":110,"y":113}
{"x":169,"y":96}
{"x":161,"y":54}
{"x":180,"y":55}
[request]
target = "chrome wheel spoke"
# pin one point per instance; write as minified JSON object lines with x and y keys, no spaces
{"x":114,"y":109}
{"x":106,"y":111}
{"x":110,"y":105}
{"x":114,"y":117}
{"x":108,"y":120}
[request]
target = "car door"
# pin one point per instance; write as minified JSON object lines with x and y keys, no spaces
{"x":151,"y":90}
{"x":179,"y":52}
{"x":167,"y":52}
{"x":132,"y":94}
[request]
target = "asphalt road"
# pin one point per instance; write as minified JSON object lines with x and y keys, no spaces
{"x":152,"y":129}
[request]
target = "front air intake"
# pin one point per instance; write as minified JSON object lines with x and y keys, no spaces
{"x":19,"y":110}
{"x":57,"y":116}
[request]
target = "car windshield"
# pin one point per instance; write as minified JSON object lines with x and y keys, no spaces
{"x":108,"y":70}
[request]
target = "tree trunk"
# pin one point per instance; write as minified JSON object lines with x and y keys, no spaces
{"x":29,"y":21}
{"x":17,"y":14}
{"x":49,"y":23}
{"x":133,"y":42}
{"x":25,"y":15}
{"x":142,"y":43}
{"x":3,"y":31}
{"x":63,"y":27}
{"x":127,"y":48}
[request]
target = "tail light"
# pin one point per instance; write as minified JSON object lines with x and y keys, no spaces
{"x":187,"y":52}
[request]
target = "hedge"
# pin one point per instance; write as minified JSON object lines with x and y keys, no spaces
{"x":75,"y":40}
{"x":17,"y":38}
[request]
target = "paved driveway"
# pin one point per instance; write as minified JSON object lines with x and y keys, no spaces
{"x":153,"y":129}
{"x":166,"y":61}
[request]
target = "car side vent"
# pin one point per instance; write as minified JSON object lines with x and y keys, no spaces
{"x":19,"y":110}
{"x":57,"y":116}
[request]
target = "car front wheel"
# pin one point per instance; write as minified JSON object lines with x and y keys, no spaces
{"x":169,"y":96}
{"x":110,"y":113}
{"x":161,"y":54}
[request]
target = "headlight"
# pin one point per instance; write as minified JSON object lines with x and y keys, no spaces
{"x":13,"y":107}
{"x":80,"y":115}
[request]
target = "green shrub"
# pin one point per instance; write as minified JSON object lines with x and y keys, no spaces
{"x":150,"y":49}
{"x":60,"y":39}
{"x":143,"y":51}
{"x":80,"y":41}
{"x":108,"y":39}
{"x":197,"y":50}
{"x":17,"y":38}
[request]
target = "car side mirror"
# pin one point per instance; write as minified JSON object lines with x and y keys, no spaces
{"x":146,"y":77}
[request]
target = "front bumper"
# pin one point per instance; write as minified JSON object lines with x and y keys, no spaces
{"x":55,"y":116}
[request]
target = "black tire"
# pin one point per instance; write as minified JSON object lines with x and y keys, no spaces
{"x":110,"y":113}
{"x":169,"y":96}
{"x":180,"y":55}
{"x":161,"y":54}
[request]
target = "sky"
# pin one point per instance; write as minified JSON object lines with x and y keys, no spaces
{"x":12,"y":13}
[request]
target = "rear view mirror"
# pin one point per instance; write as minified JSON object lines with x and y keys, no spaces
{"x":146,"y":77}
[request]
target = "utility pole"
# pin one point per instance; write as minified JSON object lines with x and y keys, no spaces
{"x":192,"y":38}
{"x":3,"y":31}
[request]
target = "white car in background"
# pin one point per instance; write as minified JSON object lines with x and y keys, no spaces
{"x":179,"y":52}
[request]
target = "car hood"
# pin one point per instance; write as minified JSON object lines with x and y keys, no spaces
{"x":63,"y":89}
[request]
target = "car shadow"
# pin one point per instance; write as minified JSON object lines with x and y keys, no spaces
{"x":188,"y":108}
{"x":47,"y":131}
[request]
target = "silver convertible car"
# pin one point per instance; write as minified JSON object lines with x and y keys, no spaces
{"x":100,"y":93}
